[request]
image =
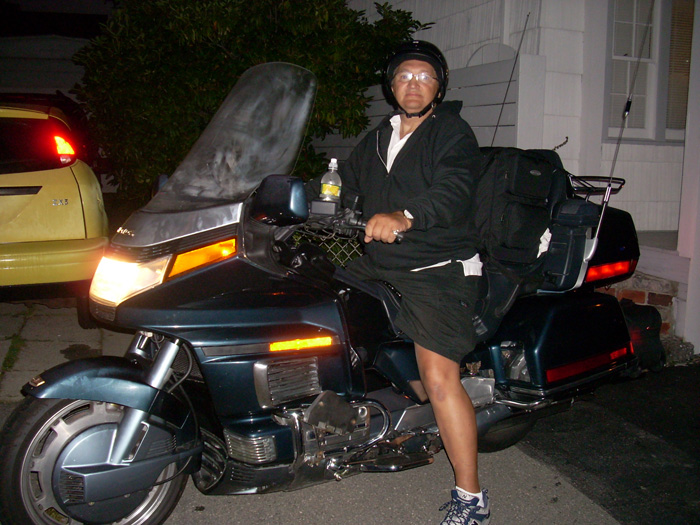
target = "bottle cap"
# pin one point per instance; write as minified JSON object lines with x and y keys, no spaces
{"x":333,"y":165}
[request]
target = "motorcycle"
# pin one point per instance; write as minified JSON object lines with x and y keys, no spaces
{"x":258,"y":365}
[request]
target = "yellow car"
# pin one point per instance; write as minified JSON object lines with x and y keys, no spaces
{"x":53,"y":225}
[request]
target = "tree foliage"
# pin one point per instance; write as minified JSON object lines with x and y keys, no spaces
{"x":161,"y":68}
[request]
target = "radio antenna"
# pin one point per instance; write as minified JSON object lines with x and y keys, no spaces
{"x":625,"y":113}
{"x":512,"y":71}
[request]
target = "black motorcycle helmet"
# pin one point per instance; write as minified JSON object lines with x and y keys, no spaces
{"x":416,"y":50}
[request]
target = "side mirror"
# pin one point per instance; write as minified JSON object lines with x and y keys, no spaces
{"x":280,"y":200}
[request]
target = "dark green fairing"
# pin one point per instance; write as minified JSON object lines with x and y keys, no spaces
{"x":230,"y":312}
{"x":560,"y":330}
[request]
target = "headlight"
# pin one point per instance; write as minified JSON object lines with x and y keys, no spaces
{"x":115,"y":281}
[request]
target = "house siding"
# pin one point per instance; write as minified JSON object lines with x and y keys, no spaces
{"x":653,"y":190}
{"x":556,"y":30}
{"x":569,"y":37}
{"x":39,"y":64}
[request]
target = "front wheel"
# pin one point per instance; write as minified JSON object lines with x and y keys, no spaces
{"x":31,"y":445}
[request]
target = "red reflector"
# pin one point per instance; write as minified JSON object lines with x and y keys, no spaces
{"x":605,"y":271}
{"x":591,"y":363}
{"x":63,"y":147}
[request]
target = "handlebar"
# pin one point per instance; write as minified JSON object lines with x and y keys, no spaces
{"x":361,"y":224}
{"x":342,"y":222}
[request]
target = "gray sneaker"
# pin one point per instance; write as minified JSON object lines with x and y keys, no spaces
{"x":466,"y":512}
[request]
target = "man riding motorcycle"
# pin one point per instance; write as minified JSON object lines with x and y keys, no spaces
{"x":417,"y":172}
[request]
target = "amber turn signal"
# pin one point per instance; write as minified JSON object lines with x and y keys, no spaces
{"x":203,"y":256}
{"x":301,"y":344}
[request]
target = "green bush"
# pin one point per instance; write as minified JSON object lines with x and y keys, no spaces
{"x":161,"y":68}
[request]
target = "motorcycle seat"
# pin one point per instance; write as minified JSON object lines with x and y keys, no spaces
{"x":389,"y":297}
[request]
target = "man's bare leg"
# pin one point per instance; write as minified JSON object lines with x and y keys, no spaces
{"x":454,"y":414}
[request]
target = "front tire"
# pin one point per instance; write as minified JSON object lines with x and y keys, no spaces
{"x":31,"y":443}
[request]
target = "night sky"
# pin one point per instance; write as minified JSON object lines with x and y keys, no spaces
{"x":22,"y":19}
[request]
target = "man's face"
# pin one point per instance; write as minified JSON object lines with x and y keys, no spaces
{"x":414,"y":95}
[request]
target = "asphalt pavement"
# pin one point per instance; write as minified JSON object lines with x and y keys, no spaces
{"x":37,"y":335}
{"x":632,"y":446}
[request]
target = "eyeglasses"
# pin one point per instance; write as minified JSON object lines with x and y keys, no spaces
{"x":406,"y":76}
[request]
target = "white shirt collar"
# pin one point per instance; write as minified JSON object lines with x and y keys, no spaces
{"x":396,"y":143}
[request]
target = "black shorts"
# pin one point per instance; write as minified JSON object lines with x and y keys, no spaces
{"x":437,"y":305}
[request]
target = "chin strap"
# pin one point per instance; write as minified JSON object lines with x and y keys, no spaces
{"x":420,"y":113}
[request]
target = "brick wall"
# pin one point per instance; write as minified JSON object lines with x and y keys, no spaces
{"x":645,"y":289}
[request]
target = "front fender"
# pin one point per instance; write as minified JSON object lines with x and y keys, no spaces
{"x":108,"y":379}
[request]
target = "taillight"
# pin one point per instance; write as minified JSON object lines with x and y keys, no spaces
{"x":607,"y":271}
{"x":66,"y":153}
{"x":585,"y":365}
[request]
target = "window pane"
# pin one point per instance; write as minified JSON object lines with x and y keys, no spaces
{"x":624,"y":10}
{"x":640,"y":84}
{"x":637,"y":116}
{"x":622,"y":44}
{"x":619,"y":77}
{"x":643,"y":40}
{"x":617,"y":105}
{"x":643,"y":8}
{"x":631,"y":40}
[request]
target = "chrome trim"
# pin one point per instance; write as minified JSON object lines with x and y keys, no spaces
{"x":255,"y":348}
{"x":524,"y":405}
{"x":589,"y":249}
{"x":386,"y":416}
{"x":416,"y":416}
{"x":479,"y":389}
{"x":150,"y":229}
{"x":253,"y":450}
{"x":131,"y":428}
{"x":278,"y":381}
{"x":318,"y":442}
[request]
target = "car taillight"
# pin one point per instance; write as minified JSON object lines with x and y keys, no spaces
{"x":606,"y":271}
{"x":66,"y":153}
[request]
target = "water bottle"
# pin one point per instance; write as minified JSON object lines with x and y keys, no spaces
{"x":331,"y":183}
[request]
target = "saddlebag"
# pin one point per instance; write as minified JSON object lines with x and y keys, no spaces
{"x":644,"y":325}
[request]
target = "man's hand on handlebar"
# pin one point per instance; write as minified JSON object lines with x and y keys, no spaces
{"x":385,"y":227}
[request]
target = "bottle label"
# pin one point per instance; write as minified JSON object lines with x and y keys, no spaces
{"x":330,"y":189}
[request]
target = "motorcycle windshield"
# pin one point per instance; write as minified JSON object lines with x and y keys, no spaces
{"x":257,"y":131}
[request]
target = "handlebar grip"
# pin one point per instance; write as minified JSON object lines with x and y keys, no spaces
{"x":361,"y":223}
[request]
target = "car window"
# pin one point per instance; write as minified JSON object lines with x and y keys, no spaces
{"x":31,"y":145}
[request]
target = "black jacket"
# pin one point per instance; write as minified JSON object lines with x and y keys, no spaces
{"x":434,"y":177}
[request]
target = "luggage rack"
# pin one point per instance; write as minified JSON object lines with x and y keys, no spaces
{"x":589,"y":185}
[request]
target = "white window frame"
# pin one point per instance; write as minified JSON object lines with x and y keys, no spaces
{"x":649,"y":131}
